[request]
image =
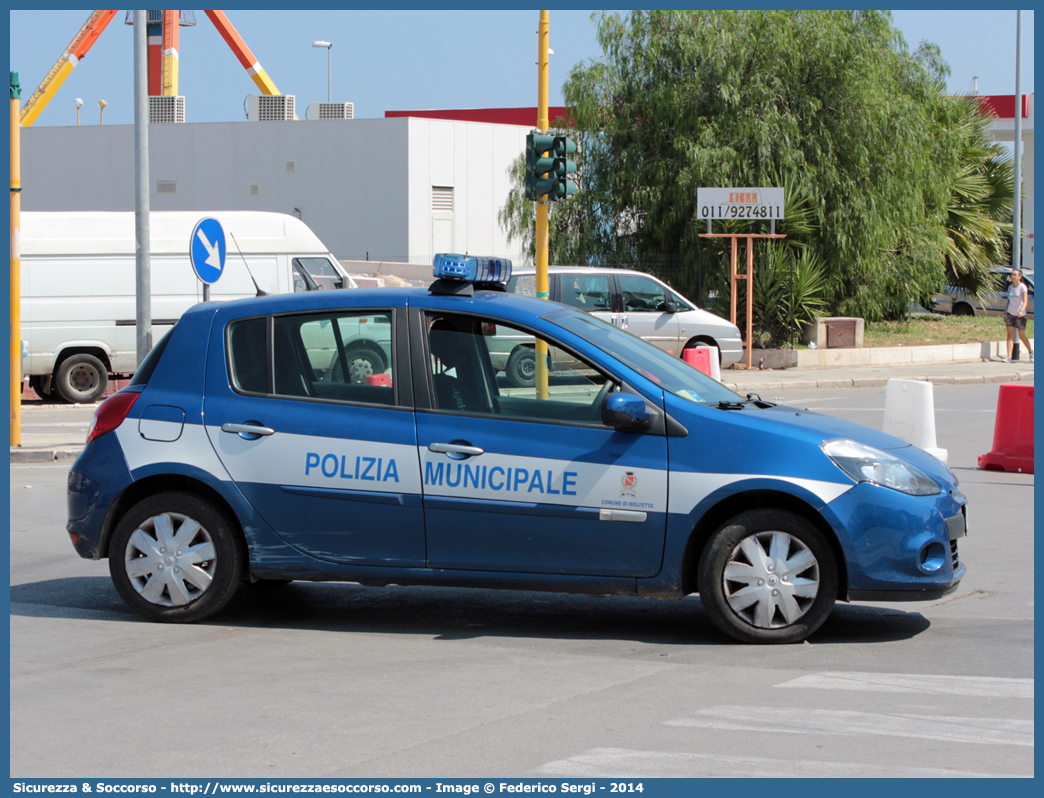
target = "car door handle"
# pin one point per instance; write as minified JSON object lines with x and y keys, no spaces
{"x":454,"y":448}
{"x":247,"y":429}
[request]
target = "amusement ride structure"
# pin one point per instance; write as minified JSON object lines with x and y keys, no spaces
{"x":163,"y":30}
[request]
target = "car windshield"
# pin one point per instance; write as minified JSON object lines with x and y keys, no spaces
{"x":667,"y":371}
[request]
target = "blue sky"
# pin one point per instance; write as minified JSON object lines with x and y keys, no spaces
{"x":416,"y":59}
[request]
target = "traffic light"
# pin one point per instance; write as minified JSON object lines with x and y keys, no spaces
{"x":548,"y":173}
{"x":538,"y":183}
{"x":563,"y":167}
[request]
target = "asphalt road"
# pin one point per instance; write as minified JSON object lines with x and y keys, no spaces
{"x":331,"y":680}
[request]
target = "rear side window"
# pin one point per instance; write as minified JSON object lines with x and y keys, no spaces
{"x":585,"y":291}
{"x":332,"y":357}
{"x":524,"y":284}
{"x":248,"y":351}
{"x":148,"y":365}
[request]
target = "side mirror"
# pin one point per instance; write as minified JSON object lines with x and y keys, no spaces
{"x":299,"y":286}
{"x":625,"y":411}
{"x":670,"y":307}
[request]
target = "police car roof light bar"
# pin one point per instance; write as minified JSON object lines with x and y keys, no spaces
{"x":472,"y":269}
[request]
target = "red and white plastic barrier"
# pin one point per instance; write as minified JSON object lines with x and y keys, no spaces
{"x":1012,"y":431}
{"x":705,"y":359}
{"x":910,"y":414}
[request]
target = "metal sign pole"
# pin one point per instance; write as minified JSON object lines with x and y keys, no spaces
{"x":16,"y":265}
{"x":142,"y":282}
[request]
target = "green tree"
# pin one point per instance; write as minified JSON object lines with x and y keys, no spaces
{"x":831,"y":103}
{"x":979,"y":214}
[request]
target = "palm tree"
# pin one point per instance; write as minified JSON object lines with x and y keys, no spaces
{"x":978,"y":222}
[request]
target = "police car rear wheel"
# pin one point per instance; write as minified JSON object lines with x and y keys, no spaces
{"x":174,"y":558}
{"x":521,"y":368}
{"x":768,"y":576}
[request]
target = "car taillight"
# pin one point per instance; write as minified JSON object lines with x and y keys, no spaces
{"x":110,"y":413}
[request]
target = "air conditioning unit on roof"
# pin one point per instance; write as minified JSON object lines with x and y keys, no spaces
{"x":331,"y":111}
{"x":270,"y":107}
{"x":166,"y":110}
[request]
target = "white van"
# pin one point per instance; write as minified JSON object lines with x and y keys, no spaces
{"x":78,"y":284}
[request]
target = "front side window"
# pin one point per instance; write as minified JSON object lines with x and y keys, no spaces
{"x":340,"y":357}
{"x":642,"y":295}
{"x":481,"y":367}
{"x":681,"y":304}
{"x":315,"y":274}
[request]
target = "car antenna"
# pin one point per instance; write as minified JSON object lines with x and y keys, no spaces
{"x":259,"y":291}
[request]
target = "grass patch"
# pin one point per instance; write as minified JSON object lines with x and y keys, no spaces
{"x":932,"y":330}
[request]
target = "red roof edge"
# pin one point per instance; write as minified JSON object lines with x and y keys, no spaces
{"x":526,"y":117}
{"x":1002,"y":106}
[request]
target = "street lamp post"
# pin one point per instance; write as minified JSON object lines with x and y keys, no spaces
{"x":78,"y":103}
{"x":101,"y":118}
{"x":328,"y":46}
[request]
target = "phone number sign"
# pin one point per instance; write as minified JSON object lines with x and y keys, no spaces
{"x":739,"y":203}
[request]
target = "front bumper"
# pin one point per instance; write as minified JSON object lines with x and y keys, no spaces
{"x":898,"y":547}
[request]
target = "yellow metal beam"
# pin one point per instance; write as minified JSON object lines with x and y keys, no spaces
{"x":542,"y":284}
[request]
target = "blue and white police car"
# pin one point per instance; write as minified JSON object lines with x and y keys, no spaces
{"x":246,"y":448}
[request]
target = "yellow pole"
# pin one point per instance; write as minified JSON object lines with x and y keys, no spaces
{"x":542,"y":286}
{"x":16,"y":265}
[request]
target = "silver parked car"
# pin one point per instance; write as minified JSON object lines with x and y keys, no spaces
{"x":960,"y":303}
{"x":633,"y":301}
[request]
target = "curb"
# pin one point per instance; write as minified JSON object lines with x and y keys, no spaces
{"x":49,"y":454}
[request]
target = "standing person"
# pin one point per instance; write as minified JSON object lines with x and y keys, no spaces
{"x":1015,"y":313}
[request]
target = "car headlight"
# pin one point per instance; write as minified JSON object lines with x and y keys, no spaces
{"x":867,"y":464}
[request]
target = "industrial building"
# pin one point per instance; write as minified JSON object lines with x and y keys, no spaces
{"x":393,"y":189}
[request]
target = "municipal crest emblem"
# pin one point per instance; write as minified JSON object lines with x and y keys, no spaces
{"x":630,"y":482}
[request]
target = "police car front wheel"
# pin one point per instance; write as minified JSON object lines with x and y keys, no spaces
{"x":768,"y":576}
{"x":174,"y":557}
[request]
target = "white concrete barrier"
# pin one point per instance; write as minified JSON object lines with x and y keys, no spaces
{"x":910,"y":414}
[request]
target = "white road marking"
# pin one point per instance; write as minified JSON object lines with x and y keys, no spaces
{"x":978,"y":686}
{"x":979,"y":731}
{"x":626,"y":763}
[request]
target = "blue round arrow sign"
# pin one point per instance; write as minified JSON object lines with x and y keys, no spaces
{"x":207,"y":250}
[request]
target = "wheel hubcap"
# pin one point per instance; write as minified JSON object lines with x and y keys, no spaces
{"x":83,"y":378}
{"x":359,"y":369}
{"x":771,"y":579}
{"x":170,"y":559}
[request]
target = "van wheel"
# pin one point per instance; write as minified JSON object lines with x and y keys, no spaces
{"x":700,"y":342}
{"x":363,"y":362}
{"x":174,"y":558}
{"x":521,"y":368}
{"x":81,"y":378}
{"x":768,"y":576}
